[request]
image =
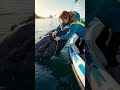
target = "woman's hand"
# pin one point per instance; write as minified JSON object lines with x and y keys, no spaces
{"x":57,"y":38}
{"x":54,"y":33}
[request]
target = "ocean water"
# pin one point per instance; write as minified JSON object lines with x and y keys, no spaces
{"x":55,"y":73}
{"x":13,"y":12}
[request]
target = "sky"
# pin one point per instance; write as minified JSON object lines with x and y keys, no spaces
{"x":55,"y":7}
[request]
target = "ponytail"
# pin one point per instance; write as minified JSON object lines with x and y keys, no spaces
{"x":72,"y":16}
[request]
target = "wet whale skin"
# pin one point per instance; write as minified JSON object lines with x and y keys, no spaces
{"x":46,"y":46}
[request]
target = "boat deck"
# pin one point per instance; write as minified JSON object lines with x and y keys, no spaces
{"x":96,"y":55}
{"x":94,"y":62}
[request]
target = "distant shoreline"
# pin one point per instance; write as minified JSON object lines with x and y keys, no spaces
{"x":38,"y":17}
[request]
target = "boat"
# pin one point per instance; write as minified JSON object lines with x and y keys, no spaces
{"x":91,"y":66}
{"x":78,"y":64}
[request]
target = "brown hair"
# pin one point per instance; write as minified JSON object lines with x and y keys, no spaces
{"x":72,"y":16}
{"x":65,"y":15}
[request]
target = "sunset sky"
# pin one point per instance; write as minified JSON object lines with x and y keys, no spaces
{"x":55,"y":7}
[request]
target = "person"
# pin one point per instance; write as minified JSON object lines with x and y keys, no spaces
{"x":76,"y":25}
{"x":107,"y":11}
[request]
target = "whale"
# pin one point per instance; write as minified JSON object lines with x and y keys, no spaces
{"x":46,"y":47}
{"x":17,"y":49}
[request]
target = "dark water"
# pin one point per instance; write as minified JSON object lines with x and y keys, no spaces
{"x":55,"y":73}
{"x":14,"y":11}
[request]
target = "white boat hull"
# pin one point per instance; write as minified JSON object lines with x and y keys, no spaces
{"x":78,"y":63}
{"x":98,"y":77}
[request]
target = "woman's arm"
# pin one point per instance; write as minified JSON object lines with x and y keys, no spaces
{"x":72,"y":30}
{"x":59,"y":27}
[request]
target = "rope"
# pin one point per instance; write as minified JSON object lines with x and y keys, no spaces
{"x":60,"y":24}
{"x":57,"y":41}
{"x":56,"y":49}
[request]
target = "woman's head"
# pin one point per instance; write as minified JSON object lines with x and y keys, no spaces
{"x":67,"y":16}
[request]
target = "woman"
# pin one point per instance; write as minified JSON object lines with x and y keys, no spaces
{"x":76,"y":25}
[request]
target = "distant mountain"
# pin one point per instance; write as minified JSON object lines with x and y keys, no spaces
{"x":36,"y":16}
{"x":51,"y":16}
